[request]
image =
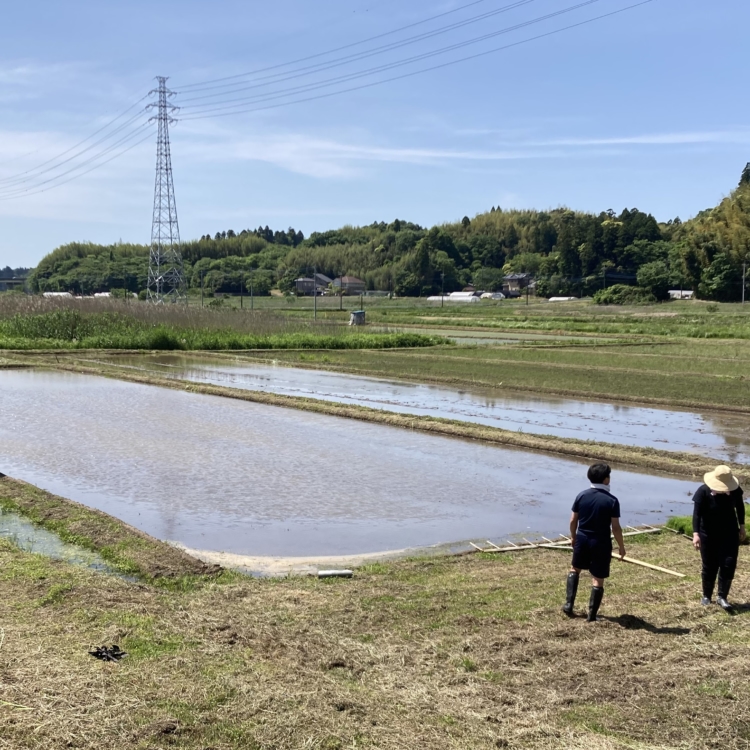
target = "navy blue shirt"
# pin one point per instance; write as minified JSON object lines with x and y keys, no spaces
{"x":596,"y":508}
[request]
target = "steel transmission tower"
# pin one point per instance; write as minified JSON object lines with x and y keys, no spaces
{"x":166,"y":279}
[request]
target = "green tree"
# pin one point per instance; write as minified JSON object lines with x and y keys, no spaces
{"x":721,"y":281}
{"x":654,"y":278}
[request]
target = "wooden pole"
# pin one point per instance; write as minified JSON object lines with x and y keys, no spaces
{"x":642,"y":564}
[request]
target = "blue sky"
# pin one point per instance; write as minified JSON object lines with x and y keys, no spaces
{"x":646,"y":109}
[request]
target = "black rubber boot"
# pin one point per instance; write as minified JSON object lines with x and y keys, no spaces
{"x":571,"y":589}
{"x":595,"y":601}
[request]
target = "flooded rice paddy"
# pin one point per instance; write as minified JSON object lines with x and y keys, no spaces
{"x":220,"y":474}
{"x":722,"y":435}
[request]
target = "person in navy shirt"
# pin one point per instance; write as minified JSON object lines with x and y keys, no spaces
{"x":595,"y":518}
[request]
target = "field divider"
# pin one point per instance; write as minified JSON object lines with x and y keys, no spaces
{"x":688,"y":465}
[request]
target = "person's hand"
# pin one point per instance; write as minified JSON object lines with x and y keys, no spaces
{"x":622,"y":553}
{"x":696,"y":541}
{"x":743,"y":534}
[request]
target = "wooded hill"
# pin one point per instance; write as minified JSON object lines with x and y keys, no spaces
{"x":568,"y":252}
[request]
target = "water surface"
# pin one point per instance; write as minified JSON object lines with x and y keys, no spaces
{"x":32,"y":538}
{"x":221,"y":474}
{"x":722,"y":435}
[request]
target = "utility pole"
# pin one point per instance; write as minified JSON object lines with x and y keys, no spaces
{"x":201,"y":287}
{"x":744,"y":276}
{"x":315,"y":293}
{"x":251,"y":292}
{"x":442,"y":287}
{"x":166,"y":278}
{"x":240,"y":293}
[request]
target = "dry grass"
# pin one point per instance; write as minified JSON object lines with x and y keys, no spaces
{"x":451,"y":653}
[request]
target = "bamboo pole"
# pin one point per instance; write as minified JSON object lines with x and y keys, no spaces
{"x":642,"y":564}
{"x":615,"y":556}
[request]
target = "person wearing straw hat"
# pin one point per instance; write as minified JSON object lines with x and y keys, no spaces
{"x":718,"y":529}
{"x":595,"y":518}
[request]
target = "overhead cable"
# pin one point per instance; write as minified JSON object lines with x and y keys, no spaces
{"x":38,"y":167}
{"x":31,"y":175}
{"x":238,"y":102}
{"x":18,"y":192}
{"x":338,"y":62}
{"x":336,"y":49}
{"x":219,"y":113}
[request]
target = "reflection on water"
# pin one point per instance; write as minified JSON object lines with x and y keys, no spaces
{"x":215,"y":473}
{"x":721,"y":435}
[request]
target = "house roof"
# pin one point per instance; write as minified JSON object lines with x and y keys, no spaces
{"x":350,"y":280}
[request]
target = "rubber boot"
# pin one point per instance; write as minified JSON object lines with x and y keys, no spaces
{"x":571,"y":589}
{"x":595,"y":601}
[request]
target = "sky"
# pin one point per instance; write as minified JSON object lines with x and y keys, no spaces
{"x":647,"y":108}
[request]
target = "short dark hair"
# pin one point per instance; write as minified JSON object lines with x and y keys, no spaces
{"x":598,"y":473}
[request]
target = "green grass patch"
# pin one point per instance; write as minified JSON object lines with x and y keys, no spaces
{"x":73,"y":329}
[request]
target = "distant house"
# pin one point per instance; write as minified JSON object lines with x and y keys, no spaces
{"x":349,"y":285}
{"x":680,"y":294}
{"x":305,"y":286}
{"x":514,"y":283}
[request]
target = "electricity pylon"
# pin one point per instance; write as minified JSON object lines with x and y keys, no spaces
{"x":166,"y":278}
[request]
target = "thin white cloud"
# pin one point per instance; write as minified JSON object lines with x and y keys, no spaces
{"x":332,"y":158}
{"x":655,"y":139}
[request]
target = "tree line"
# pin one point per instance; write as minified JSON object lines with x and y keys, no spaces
{"x":567,"y":252}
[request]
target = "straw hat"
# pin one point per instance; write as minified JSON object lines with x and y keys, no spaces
{"x":721,"y":479}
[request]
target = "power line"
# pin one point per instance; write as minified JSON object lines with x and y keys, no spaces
{"x":17,"y":193}
{"x":388,"y":66}
{"x":336,"y":49}
{"x":338,"y":62}
{"x":107,"y":161}
{"x":423,"y":70}
{"x":77,"y":145}
{"x":12,"y":182}
{"x":202,"y":112}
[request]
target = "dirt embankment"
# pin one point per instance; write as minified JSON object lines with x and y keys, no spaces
{"x":123,"y":546}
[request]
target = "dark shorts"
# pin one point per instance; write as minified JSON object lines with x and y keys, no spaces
{"x":593,"y":554}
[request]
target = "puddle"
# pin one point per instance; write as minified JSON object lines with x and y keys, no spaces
{"x":724,"y":436}
{"x":230,"y":476}
{"x":32,"y":538}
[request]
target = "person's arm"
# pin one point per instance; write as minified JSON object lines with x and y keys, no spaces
{"x":573,"y":527}
{"x":617,"y":531}
{"x":697,"y":512}
{"x":740,"y":507}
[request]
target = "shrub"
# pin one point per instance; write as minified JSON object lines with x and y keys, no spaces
{"x":621,"y":294}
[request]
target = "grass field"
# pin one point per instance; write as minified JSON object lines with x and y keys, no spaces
{"x":454,"y":653}
{"x":694,"y":319}
{"x":34,"y":323}
{"x":682,"y":353}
